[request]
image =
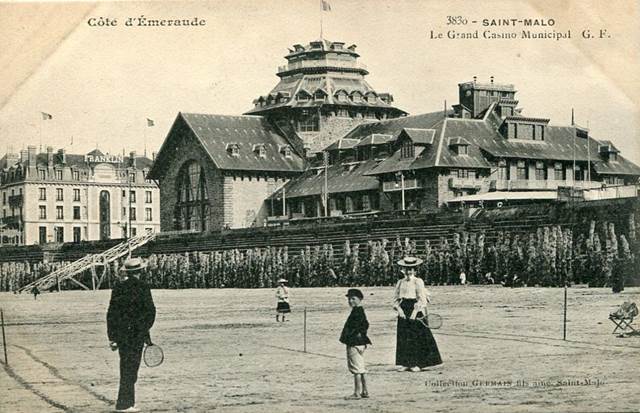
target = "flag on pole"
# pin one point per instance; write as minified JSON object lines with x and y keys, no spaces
{"x":46,"y":116}
{"x":150,"y":122}
{"x":325,"y":5}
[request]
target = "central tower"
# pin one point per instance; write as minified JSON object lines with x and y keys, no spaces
{"x":323,"y":94}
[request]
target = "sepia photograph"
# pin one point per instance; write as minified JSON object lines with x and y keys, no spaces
{"x":320,"y":206}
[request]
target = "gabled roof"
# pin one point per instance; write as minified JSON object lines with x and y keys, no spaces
{"x":215,"y":132}
{"x":457,"y":141}
{"x":375,"y":139}
{"x":420,"y":136}
{"x":621,"y":166}
{"x":340,"y":178}
{"x":607,"y":146}
{"x":396,"y":162}
{"x":394,"y":126}
{"x":342,"y":144}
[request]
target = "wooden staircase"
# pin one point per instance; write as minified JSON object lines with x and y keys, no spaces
{"x":90,"y":262}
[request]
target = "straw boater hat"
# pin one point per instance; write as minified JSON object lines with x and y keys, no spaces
{"x":134,"y":265}
{"x":410,"y":262}
{"x":282,"y":281}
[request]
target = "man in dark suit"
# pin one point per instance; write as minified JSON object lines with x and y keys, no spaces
{"x":130,"y":317}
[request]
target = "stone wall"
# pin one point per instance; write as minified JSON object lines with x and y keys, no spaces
{"x":332,"y":128}
{"x":244,"y":200}
{"x":187,"y":149}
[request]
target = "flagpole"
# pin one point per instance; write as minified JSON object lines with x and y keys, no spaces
{"x":326,"y":182}
{"x":573,"y":175}
{"x":145,"y":139}
{"x":321,"y":10}
{"x":40,"y":134}
{"x":588,"y":156}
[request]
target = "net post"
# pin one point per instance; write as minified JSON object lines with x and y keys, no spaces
{"x":4,"y":340}
{"x":564,"y":324}
{"x":305,"y":330}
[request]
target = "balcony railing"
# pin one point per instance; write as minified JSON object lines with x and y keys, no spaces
{"x":303,"y":64}
{"x":11,"y":221}
{"x":15,"y":201}
{"x":530,"y":184}
{"x":614,"y":192}
{"x":464,"y":183}
{"x":411,"y":183}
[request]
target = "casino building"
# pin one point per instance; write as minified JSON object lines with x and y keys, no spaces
{"x":483,"y":152}
{"x":56,"y":197}
{"x":323,"y":133}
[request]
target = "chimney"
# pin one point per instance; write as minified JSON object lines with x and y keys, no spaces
{"x":132,"y":159}
{"x":62,"y":153}
{"x":50,"y":156}
{"x":31,"y":156}
{"x":24,"y":155}
{"x":12,"y":158}
{"x":153,"y":156}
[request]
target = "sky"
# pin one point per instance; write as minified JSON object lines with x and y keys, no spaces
{"x":100,"y":84}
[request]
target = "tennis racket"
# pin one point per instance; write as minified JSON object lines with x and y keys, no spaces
{"x":432,"y":321}
{"x":153,"y":355}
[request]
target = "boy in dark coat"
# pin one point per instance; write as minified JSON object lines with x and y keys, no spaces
{"x":354,"y":336}
{"x":130,"y":317}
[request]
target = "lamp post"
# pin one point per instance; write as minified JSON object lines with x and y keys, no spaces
{"x":129,"y":196}
{"x":400,"y":175}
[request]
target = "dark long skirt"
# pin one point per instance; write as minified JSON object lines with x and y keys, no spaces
{"x":283,"y":307}
{"x":415,"y":345}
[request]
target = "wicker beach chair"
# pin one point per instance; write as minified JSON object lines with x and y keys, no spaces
{"x":623,"y":318}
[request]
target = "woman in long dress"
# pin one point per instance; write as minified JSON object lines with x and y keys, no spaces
{"x":416,"y":349}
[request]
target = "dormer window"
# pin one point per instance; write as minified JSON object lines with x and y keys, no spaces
{"x":371,"y":98}
{"x":608,"y":151}
{"x":233,"y":149}
{"x":285,"y":150}
{"x":356,"y":97}
{"x":303,"y":96}
{"x":459,"y":145}
{"x":342,"y":96}
{"x":260,"y":151}
{"x":319,"y":95}
{"x":407,"y":150}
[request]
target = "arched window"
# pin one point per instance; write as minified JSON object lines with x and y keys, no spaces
{"x":192,"y":203}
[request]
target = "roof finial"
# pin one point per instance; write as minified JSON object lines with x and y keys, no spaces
{"x":491,"y":78}
{"x":475,"y":78}
{"x":445,"y":108}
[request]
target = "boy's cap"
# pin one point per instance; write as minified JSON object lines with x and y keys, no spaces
{"x":354,"y":292}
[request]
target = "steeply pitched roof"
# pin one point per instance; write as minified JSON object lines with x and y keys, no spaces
{"x":342,"y":144}
{"x":484,"y":139}
{"x":420,"y":136}
{"x":329,"y":84}
{"x":215,"y":132}
{"x":375,"y":139}
{"x":621,"y":166}
{"x":607,"y":146}
{"x":340,"y":178}
{"x":394,"y":126}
